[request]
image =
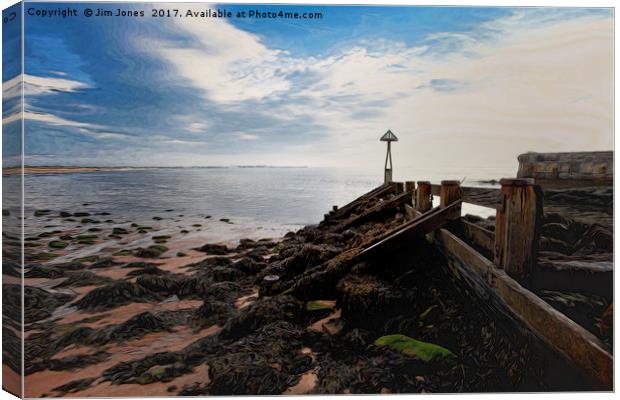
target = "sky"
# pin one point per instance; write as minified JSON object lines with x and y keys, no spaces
{"x":460,"y":87}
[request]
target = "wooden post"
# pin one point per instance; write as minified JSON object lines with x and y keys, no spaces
{"x":450,"y":192}
{"x":400,"y":187}
{"x":410,"y":188}
{"x":517,"y":228}
{"x":423,"y":201}
{"x":334,"y":208}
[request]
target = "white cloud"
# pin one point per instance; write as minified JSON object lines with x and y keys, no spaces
{"x":180,"y":141}
{"x":196,"y":127}
{"x":58,"y":121}
{"x":229,"y":64}
{"x":39,"y":85}
{"x":247,"y":136}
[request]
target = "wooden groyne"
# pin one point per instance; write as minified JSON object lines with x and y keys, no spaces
{"x":499,"y":266}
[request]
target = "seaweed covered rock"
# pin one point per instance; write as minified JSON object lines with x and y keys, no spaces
{"x":260,"y":313}
{"x":104,"y":263}
{"x":43,"y":271}
{"x":267,"y":361}
{"x":84,"y":278}
{"x":240,"y":374}
{"x":217,"y":249}
{"x":153,"y":251}
{"x":249,"y":266}
{"x":367,"y":300}
{"x":211,"y":312}
{"x":71,"y":363}
{"x":138,"y":326}
{"x":148,"y":269}
{"x":223,"y":291}
{"x":140,"y":371}
{"x":114,"y":295}
{"x":74,"y":386}
{"x":11,"y":268}
{"x":166,"y":284}
{"x":38,"y":303}
{"x":221,"y":274}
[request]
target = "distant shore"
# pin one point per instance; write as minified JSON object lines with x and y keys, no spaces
{"x":57,"y":170}
{"x":74,"y":169}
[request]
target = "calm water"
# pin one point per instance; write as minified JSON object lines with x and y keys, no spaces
{"x":266,"y":202}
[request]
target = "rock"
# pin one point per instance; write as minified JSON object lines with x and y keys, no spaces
{"x":162,"y":237}
{"x":137,"y":326}
{"x":11,"y":268}
{"x":221,"y":274}
{"x":75,"y":386}
{"x":45,"y":256}
{"x":119,"y":231}
{"x":260,"y":313}
{"x":38,"y":303}
{"x":153,"y":251}
{"x":40,"y":271}
{"x":85,"y":278}
{"x":57,"y":244}
{"x":217,"y":249}
{"x":81,"y":214}
{"x":249,"y":266}
{"x":114,"y":295}
{"x":149,"y":269}
{"x":123,"y":253}
{"x":41,"y":213}
{"x":65,"y":214}
{"x":211,"y":312}
{"x":424,"y":351}
{"x":104,"y":263}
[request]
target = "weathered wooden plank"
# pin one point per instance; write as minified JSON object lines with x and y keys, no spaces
{"x":567,"y":338}
{"x":428,"y":222}
{"x":376,"y":210}
{"x":491,"y":198}
{"x":379,"y":191}
{"x":477,"y":235}
{"x":576,"y":276}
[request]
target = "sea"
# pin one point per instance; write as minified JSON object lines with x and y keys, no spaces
{"x":228,"y":202}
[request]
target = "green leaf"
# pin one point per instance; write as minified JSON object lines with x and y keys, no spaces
{"x":318,"y":305}
{"x":416,"y":348}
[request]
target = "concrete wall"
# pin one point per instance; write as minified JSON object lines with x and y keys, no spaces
{"x":579,"y":168}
